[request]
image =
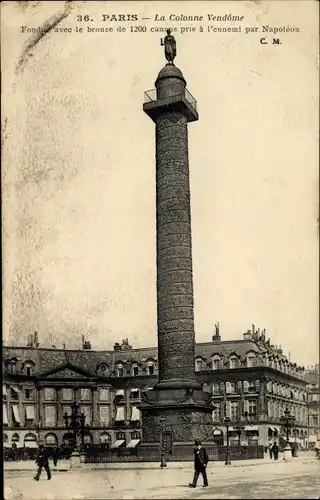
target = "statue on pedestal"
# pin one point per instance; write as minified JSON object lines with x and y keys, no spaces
{"x":170,"y":49}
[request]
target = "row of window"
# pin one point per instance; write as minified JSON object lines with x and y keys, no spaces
{"x":234,"y":361}
{"x":52,"y":440}
{"x":234,"y":409}
{"x":276,"y":409}
{"x":120,"y":371}
{"x":120,"y":414}
{"x":253,"y":386}
{"x":69,"y":394}
{"x":218,"y":363}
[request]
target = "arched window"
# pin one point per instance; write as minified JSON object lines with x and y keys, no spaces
{"x":198,"y":365}
{"x":150,"y":367}
{"x":13,"y":365}
{"x":216,"y":362}
{"x":251,"y":358}
{"x":15,"y":437}
{"x":51,"y":439}
{"x":30,"y":441}
{"x":206,"y":387}
{"x":120,"y":370}
{"x":233,"y":362}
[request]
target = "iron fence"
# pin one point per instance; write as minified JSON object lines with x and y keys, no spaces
{"x":177,"y":90}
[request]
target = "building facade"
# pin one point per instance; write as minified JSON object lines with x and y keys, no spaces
{"x":249,"y":379}
{"x":313,"y":388}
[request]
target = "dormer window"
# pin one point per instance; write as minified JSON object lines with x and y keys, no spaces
{"x":233,"y":362}
{"x":251,"y":358}
{"x":216,"y":362}
{"x":135,"y":370}
{"x":103,"y":369}
{"x":120,"y":370}
{"x":150,"y":368}
{"x":198,"y":365}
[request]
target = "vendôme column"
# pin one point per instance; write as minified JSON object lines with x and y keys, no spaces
{"x":177,"y":398}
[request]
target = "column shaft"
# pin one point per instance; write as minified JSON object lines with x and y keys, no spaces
{"x":176,"y":336}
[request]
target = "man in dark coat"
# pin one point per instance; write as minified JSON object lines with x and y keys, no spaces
{"x":275,"y":450}
{"x":200,"y":463}
{"x":42,"y":460}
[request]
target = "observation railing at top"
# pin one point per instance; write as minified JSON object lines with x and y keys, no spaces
{"x":172,"y":90}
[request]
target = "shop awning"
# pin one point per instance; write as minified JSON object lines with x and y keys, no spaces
{"x":133,"y":443}
{"x":4,"y":414}
{"x":15,"y":388}
{"x":6,"y":445}
{"x":217,"y":432}
{"x":4,"y":391}
{"x":16,"y":413}
{"x":135,"y":415}
{"x":118,"y":443}
{"x":120,"y":414}
{"x":120,"y":392}
{"x":251,"y":428}
{"x":31,"y":444}
{"x":30,"y":415}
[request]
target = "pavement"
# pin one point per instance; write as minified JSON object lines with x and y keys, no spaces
{"x":299,"y":478}
{"x":64,"y":465}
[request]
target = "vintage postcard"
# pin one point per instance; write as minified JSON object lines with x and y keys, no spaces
{"x":160,"y":249}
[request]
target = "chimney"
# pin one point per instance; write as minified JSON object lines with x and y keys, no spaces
{"x":247,"y":335}
{"x":87,"y":345}
{"x":36,"y":340}
{"x":117,"y":347}
{"x":53,"y":347}
{"x":216,"y":337}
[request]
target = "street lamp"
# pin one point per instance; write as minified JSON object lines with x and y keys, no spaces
{"x":162,"y":443}
{"x":294,"y":451}
{"x":287,"y":422}
{"x":227,"y":424}
{"x":239,"y":427}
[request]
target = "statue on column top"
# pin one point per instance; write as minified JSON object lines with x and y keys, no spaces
{"x":170,"y":49}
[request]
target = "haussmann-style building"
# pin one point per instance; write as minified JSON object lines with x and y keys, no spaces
{"x":248,"y":378}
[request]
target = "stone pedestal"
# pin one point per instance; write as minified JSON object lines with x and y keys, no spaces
{"x":177,"y":397}
{"x":287,"y":454}
{"x":75,"y":460}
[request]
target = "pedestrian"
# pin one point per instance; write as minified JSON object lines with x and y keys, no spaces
{"x":270,"y":451}
{"x":55,"y":455}
{"x":275,"y":450}
{"x":42,"y":461}
{"x":200,"y":463}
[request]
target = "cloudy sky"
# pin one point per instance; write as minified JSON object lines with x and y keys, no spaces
{"x":79,"y":174}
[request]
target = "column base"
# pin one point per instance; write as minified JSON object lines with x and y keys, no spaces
{"x":185,"y":413}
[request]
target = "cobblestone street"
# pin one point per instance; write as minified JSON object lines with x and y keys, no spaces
{"x":268,"y":479}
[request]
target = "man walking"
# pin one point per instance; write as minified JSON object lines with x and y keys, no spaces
{"x":275,"y":450}
{"x":42,"y":461}
{"x":200,"y":463}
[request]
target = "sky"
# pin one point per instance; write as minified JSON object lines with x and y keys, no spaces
{"x":79,"y":175}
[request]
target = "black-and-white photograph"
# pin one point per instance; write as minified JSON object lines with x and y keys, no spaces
{"x":160,"y":249}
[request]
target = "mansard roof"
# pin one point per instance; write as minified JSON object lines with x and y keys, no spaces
{"x":46,"y":359}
